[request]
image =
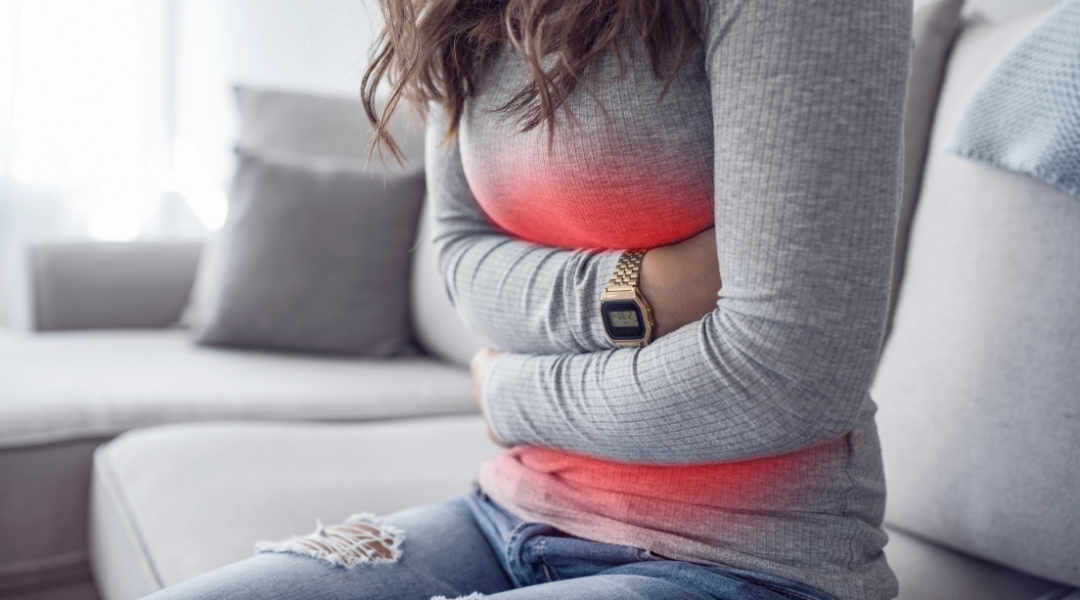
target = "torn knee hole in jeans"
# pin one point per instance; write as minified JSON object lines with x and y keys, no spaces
{"x":361,"y":539}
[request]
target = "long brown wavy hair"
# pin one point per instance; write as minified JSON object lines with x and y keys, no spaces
{"x":435,"y":51}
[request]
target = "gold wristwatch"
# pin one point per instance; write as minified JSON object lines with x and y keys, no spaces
{"x":626,"y":313}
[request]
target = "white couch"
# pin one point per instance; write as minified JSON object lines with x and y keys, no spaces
{"x":106,"y":359}
{"x":982,"y":494}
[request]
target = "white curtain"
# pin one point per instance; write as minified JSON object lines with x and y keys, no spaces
{"x":305,"y":45}
{"x":80,"y":113}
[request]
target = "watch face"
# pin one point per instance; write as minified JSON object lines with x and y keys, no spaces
{"x":623,"y":320}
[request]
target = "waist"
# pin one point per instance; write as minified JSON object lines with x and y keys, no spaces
{"x":797,"y":481}
{"x":812,"y":516}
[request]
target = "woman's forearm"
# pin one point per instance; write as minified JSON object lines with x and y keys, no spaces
{"x":535,"y":300}
{"x":523,"y":297}
{"x":681,"y":281}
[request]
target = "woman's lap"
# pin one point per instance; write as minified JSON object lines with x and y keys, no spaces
{"x":469,"y":545}
{"x":443,"y":553}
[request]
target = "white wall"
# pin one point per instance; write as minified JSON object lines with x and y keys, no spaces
{"x":314,"y":45}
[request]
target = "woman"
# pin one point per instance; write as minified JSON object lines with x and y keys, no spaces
{"x":727,"y":451}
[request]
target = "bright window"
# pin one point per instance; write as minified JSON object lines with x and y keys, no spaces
{"x":80,"y":107}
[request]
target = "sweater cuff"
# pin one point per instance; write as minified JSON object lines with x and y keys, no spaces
{"x":486,"y":404}
{"x":500,"y":404}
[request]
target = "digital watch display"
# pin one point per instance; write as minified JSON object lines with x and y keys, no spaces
{"x":623,"y":320}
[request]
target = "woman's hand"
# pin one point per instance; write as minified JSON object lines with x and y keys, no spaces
{"x":681,"y":281}
{"x":478,"y":367}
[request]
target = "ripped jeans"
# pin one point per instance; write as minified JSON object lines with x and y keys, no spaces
{"x":468,"y":548}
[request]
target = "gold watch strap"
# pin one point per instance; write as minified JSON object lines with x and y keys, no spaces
{"x":626,"y":272}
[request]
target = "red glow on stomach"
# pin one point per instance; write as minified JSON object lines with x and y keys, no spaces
{"x":589,"y":217}
{"x":639,"y":493}
{"x":615,"y":224}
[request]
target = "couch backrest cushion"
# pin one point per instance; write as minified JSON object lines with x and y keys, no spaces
{"x":315,"y":125}
{"x":979,"y":385}
{"x":934,"y":30}
{"x":436,"y":324}
{"x":100,"y":285}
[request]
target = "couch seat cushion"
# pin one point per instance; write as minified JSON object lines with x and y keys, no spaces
{"x":61,"y":386}
{"x":172,"y":502}
{"x":62,"y":394}
{"x":930,"y":572}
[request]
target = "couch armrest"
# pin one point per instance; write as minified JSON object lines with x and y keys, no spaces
{"x":103,"y":285}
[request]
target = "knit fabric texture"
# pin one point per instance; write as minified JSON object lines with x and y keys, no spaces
{"x":746,"y":439}
{"x":1025,"y":115}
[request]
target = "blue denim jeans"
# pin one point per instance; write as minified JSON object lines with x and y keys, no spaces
{"x":472,"y":546}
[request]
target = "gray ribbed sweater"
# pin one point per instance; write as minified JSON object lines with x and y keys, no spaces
{"x":790,"y":117}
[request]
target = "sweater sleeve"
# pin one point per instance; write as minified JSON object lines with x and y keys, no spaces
{"x":807,"y":102}
{"x":523,"y":297}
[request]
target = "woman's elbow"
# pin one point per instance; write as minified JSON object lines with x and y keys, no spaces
{"x":785,"y":424}
{"x":816,"y":416}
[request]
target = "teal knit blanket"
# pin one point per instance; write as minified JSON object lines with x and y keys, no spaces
{"x":1025,"y":114}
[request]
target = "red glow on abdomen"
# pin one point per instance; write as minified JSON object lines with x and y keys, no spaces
{"x":621,"y":219}
{"x":603,"y":204}
{"x":653,"y":495}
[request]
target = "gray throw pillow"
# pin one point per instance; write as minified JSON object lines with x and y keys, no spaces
{"x":314,"y":257}
{"x":934,"y":30}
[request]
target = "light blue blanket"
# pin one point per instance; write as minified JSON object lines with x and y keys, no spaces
{"x":1025,"y":115}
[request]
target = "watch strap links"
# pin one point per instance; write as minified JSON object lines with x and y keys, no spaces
{"x":627,"y":270}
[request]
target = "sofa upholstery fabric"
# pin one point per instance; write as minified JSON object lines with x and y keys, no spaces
{"x":314,"y":257}
{"x":268,"y":482}
{"x":978,"y":388}
{"x":75,"y":385}
{"x":63,"y":393}
{"x":934,"y":30}
{"x":930,"y":572}
{"x":43,"y":499}
{"x":316,"y":125}
{"x":95,"y":285}
{"x":436,"y":324}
